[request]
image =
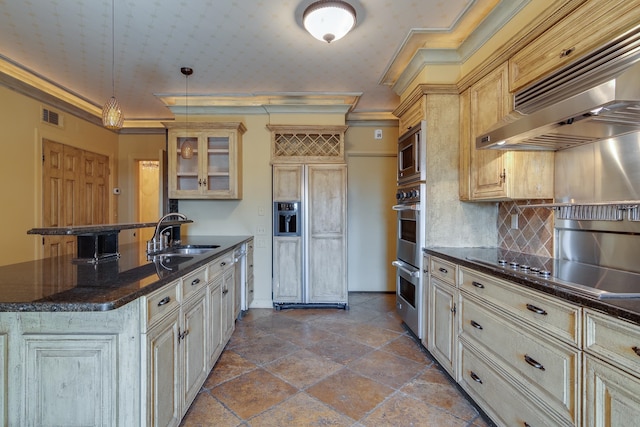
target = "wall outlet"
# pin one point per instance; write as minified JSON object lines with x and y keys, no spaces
{"x":261,"y":242}
{"x":261,"y":210}
{"x":377,"y":134}
{"x":260,"y":230}
{"x":514,"y":221}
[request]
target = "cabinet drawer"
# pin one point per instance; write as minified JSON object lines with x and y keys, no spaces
{"x":161,"y":302}
{"x":220,"y":264}
{"x":615,"y":340}
{"x":552,"y":369}
{"x":560,"y":319}
{"x":193,"y":282}
{"x":443,"y":270}
{"x":499,"y":398}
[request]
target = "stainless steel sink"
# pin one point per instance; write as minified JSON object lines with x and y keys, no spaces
{"x":189,"y":250}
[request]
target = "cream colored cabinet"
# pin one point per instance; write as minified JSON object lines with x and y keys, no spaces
{"x":443,"y":334}
{"x":228,"y":303}
{"x":193,"y":341}
{"x":249,"y":275}
{"x":612,"y":370}
{"x":215,"y":339}
{"x":497,"y":174}
{"x":585,"y":29}
{"x":3,"y":377}
{"x":311,"y":268}
{"x":411,"y":115}
{"x":530,"y":339}
{"x":163,"y":372}
{"x":205,"y":160}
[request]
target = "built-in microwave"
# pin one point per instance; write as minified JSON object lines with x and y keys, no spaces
{"x":411,"y":155}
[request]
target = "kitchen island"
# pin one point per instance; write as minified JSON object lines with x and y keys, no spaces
{"x":127,"y":341}
{"x":532,"y":348}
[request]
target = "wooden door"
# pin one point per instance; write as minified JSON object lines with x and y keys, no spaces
{"x":442,"y":323}
{"x":194,"y":346}
{"x":75,"y":192}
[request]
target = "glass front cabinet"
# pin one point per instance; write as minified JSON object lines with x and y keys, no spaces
{"x":205,"y":160}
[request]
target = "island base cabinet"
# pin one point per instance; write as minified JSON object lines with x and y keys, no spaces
{"x":193,"y":345}
{"x":499,"y":398}
{"x":611,"y":395}
{"x":163,"y":373}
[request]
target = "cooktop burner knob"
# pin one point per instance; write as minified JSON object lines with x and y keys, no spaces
{"x":502,"y":261}
{"x":524,"y":267}
{"x":514,"y":264}
{"x":545,"y":273}
{"x":535,"y":270}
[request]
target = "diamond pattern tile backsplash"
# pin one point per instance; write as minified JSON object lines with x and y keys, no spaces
{"x":535,"y":228}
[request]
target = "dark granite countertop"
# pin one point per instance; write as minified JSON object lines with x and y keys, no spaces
{"x":58,"y":284}
{"x":628,"y":309}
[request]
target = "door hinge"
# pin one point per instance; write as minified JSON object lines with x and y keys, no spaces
{"x":503,"y":176}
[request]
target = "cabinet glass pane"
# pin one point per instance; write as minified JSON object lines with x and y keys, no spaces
{"x":218,"y":163}
{"x":187,"y":163}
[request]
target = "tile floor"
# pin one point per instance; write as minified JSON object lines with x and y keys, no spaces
{"x":328,"y":367}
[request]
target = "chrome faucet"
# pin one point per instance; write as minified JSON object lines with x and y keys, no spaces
{"x":159,"y":240}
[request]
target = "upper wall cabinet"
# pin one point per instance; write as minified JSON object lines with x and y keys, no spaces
{"x":588,"y":27}
{"x":205,"y":160}
{"x":495,"y":174}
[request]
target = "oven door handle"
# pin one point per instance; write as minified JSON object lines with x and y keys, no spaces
{"x":406,"y":207}
{"x":401,"y":266}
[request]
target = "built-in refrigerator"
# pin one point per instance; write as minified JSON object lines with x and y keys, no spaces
{"x":309,"y":235}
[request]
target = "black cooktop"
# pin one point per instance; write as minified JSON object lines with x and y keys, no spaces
{"x":591,"y":280}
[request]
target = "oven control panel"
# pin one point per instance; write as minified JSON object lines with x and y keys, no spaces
{"x":409,"y":194}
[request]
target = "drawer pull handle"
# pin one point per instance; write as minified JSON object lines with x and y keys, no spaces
{"x":443,"y":270}
{"x":224,"y":292}
{"x":566,"y":52}
{"x":222,"y":264}
{"x":476,"y":324}
{"x":526,"y":424}
{"x":195,"y":282}
{"x":533,"y":362}
{"x":475,"y":377}
{"x":536,"y":310}
{"x":164,"y":301}
{"x":636,"y":350}
{"x":477,"y":285}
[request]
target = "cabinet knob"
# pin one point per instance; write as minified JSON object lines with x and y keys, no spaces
{"x":195,"y":282}
{"x":566,"y":52}
{"x":164,"y":301}
{"x":443,"y":270}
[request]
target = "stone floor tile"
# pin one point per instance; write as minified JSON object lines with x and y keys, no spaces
{"x":402,"y":410}
{"x":303,"y":368}
{"x":265,"y":349}
{"x":252,"y":393}
{"x":301,"y":410}
{"x":387,"y":368}
{"x":207,"y":411}
{"x":340,"y":349}
{"x":435,"y":388}
{"x":407,"y":347}
{"x":349,"y":393}
{"x":368,"y":334}
{"x":228,"y":366}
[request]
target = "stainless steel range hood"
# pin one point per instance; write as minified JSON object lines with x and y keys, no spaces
{"x":593,"y":98}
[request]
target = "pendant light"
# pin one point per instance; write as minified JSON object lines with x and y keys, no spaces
{"x":328,"y":20}
{"x":112,"y":117}
{"x":186,"y":148}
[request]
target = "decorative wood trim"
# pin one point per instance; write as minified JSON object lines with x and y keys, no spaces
{"x":280,"y":152}
{"x":421,"y":90}
{"x":239,"y":126}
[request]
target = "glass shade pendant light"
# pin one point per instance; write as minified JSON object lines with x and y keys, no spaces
{"x":112,"y":117}
{"x":328,"y":20}
{"x":186,"y":148}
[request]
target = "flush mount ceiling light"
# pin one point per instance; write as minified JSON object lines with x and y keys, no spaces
{"x":329,"y":20}
{"x":112,"y":117}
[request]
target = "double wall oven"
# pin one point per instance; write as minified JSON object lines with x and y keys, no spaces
{"x":410,"y":208}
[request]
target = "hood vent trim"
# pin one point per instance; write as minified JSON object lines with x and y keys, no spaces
{"x":594,"y":98}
